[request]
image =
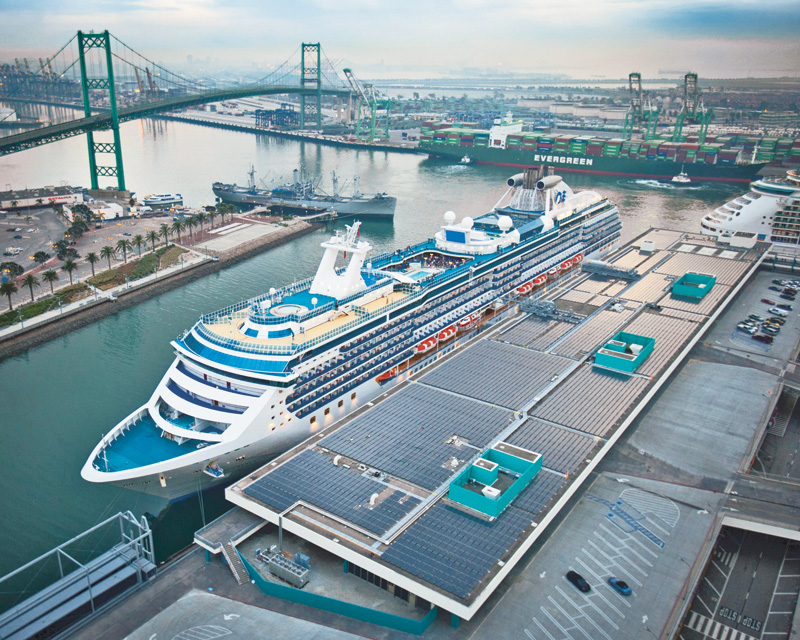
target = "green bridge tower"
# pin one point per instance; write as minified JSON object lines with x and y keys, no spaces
{"x":86,"y":42}
{"x":310,"y":76}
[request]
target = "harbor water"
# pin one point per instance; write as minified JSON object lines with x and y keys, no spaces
{"x":59,"y":398}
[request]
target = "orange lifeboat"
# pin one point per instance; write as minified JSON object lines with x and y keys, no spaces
{"x":387,"y":375}
{"x":525,"y":288}
{"x":538,"y":281}
{"x":553,"y":272}
{"x":446,"y":334}
{"x":577,"y":259}
{"x":426,"y":345}
{"x":566,"y":265}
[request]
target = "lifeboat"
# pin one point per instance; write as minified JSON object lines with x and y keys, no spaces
{"x":387,"y":375}
{"x":566,"y":265}
{"x":538,"y":281}
{"x":467,"y":322}
{"x":426,"y":345}
{"x":577,"y":259}
{"x":553,"y":272}
{"x":525,"y":288}
{"x":446,"y":334}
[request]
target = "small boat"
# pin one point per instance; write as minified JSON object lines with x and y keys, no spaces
{"x":446,"y":334}
{"x":466,"y":159}
{"x":538,"y":281}
{"x":387,"y":375}
{"x":213,"y":470}
{"x":467,"y":322}
{"x":525,"y":288}
{"x":566,"y":265}
{"x":163,"y":200}
{"x":681,"y":180}
{"x":426,"y":345}
{"x":577,"y":259}
{"x":552,"y":273}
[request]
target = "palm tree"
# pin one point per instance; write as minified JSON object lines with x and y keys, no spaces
{"x":51,"y":277}
{"x":138,"y":241}
{"x":69,"y":266}
{"x":165,"y":231}
{"x":107,"y":252}
{"x":124,"y":246}
{"x":177,"y":227}
{"x":190,"y":223}
{"x":8,"y":289}
{"x":212,"y":213}
{"x":31,"y":281}
{"x":201,"y":218}
{"x":152,"y":236}
{"x":91,"y":258}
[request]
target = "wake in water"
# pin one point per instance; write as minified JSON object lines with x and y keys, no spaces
{"x":657,"y":184}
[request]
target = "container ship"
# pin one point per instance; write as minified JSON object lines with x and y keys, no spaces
{"x":721,"y":158}
{"x":300,"y":197}
{"x":256,"y":378}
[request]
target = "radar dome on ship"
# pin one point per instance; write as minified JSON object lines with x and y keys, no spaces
{"x":449,"y":217}
{"x":467,"y":223}
{"x":505,"y":223}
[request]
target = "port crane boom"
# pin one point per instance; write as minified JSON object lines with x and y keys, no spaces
{"x":371,"y":106}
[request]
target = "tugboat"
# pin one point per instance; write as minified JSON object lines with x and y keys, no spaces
{"x":465,"y":160}
{"x":681,"y":180}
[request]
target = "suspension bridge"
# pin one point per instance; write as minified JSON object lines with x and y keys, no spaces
{"x":109,"y":82}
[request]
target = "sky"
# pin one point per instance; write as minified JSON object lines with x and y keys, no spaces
{"x":431,"y":38}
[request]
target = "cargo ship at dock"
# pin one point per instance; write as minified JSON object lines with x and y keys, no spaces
{"x":301,"y":197}
{"x":505,"y":144}
{"x":256,"y":378}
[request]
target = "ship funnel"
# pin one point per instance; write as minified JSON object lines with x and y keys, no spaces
{"x":548,"y":182}
{"x":516,"y":180}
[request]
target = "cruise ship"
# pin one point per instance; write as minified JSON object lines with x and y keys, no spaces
{"x":770,"y":211}
{"x":253,"y":379}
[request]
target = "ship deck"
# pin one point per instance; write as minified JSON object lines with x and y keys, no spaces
{"x":528,"y":382}
{"x":233,"y":330}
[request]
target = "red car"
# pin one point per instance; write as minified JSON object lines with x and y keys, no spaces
{"x":767,"y":301}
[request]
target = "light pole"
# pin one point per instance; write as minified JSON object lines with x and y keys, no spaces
{"x":60,"y":308}
{"x":21,"y":324}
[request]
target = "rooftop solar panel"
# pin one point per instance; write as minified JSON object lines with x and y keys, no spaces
{"x":312,"y":477}
{"x":454,"y":550}
{"x":405,"y":434}
{"x":561,"y":449}
{"x":499,"y":373}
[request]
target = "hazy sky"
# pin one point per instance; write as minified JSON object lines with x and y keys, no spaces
{"x":717,"y":38}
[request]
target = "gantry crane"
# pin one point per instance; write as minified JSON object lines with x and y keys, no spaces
{"x":693,"y":109}
{"x":641,"y":109}
{"x":371,"y":106}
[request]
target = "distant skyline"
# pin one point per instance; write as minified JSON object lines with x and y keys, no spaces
{"x":718,"y":38}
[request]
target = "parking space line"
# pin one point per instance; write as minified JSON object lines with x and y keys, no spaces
{"x":719,"y":569}
{"x":616,"y":564}
{"x":639,"y":543}
{"x":712,"y":586}
{"x":570,"y":618}
{"x":623,"y":546}
{"x":587,"y":617}
{"x":556,"y":623}
{"x":627,"y":574}
{"x":700,"y":600}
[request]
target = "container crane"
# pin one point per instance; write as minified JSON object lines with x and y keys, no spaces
{"x":370,"y":103}
{"x":693,"y":109}
{"x":641,"y":109}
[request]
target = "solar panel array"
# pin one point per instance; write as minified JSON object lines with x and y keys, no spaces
{"x":561,"y":449}
{"x":405,"y":434}
{"x":454,"y":550}
{"x":539,"y":492}
{"x":526,"y":331}
{"x":499,"y":373}
{"x":312,"y":477}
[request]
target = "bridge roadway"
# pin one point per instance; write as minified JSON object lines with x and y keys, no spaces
{"x":53,"y":133}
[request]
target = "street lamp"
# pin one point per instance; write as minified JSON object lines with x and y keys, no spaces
{"x":21,"y":324}
{"x":60,"y":308}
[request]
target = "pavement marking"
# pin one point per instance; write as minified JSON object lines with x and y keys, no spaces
{"x":700,"y":600}
{"x":712,"y":586}
{"x":710,"y":628}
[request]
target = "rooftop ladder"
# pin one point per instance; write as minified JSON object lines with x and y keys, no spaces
{"x":235,"y":562}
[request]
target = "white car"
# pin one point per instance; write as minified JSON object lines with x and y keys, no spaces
{"x":778,"y":312}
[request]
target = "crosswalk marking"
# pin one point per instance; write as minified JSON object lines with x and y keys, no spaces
{"x":713,"y":629}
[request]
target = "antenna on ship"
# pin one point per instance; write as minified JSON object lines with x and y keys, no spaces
{"x":252,"y":175}
{"x":355,"y":187}
{"x":335,"y":186}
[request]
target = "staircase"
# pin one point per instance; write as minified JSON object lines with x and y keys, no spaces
{"x":235,"y":563}
{"x":783,"y":414}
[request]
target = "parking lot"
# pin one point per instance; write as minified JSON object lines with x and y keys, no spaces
{"x":630,"y":528}
{"x":749,"y":590}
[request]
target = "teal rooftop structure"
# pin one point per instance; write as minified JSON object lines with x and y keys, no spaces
{"x":492,"y":482}
{"x":624,"y":353}
{"x":693,"y":286}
